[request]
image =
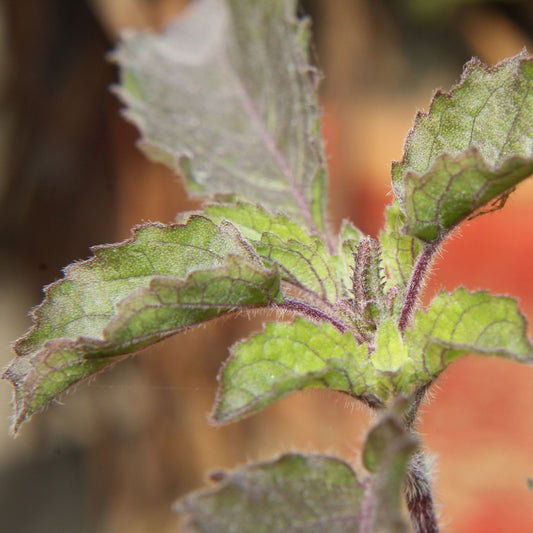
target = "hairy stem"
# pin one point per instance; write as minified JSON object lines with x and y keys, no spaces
{"x":416,"y":283}
{"x":419,"y":498}
{"x":365,"y":517}
{"x":419,"y":395}
{"x":418,"y":494}
{"x":372,"y":402}
{"x":293,"y":304}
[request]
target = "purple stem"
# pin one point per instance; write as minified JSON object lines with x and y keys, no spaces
{"x":365,"y":516}
{"x":293,"y":304}
{"x":419,"y":497}
{"x":416,"y":283}
{"x":418,"y":494}
{"x":418,"y":487}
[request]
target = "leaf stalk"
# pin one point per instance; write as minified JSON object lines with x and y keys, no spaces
{"x":294,"y":304}
{"x":416,"y":282}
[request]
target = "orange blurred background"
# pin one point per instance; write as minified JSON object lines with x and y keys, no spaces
{"x":115,"y":454}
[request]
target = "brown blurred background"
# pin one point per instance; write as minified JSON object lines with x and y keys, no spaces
{"x":116,"y":454}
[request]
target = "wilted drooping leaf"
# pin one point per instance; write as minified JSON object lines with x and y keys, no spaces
{"x":288,"y":357}
{"x":472,"y":147}
{"x":462,"y":322}
{"x":129,"y":295}
{"x":293,"y":494}
{"x":226,"y":94}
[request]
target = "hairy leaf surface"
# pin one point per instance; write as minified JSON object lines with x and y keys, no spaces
{"x":350,"y":237}
{"x":472,"y":147}
{"x":293,"y":494}
{"x":227,"y":94}
{"x":400,"y":251}
{"x":390,"y":353}
{"x":367,"y":287}
{"x":130,"y":295}
{"x":304,"y":259}
{"x":288,"y":357}
{"x":462,"y":322}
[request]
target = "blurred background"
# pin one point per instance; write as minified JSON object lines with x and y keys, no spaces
{"x":116,"y":454}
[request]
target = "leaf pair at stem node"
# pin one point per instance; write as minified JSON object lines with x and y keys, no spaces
{"x":225,"y":96}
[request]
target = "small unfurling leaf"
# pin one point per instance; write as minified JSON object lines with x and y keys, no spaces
{"x":368,"y":284}
{"x":400,"y":251}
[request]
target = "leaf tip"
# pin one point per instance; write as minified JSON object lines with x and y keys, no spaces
{"x":14,"y":374}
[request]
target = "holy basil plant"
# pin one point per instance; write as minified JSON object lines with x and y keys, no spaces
{"x":226,"y":97}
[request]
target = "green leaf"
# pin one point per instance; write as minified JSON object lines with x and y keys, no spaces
{"x":253,"y":220}
{"x":169,"y":305}
{"x":304,"y":259}
{"x":400,"y":251}
{"x":387,"y":452}
{"x":390,"y":353}
{"x":227,"y":94}
{"x":472,"y":147}
{"x":391,"y":357}
{"x":290,"y":357}
{"x":350,"y":237}
{"x":129,"y":295}
{"x":460,"y":323}
{"x":295,"y":493}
